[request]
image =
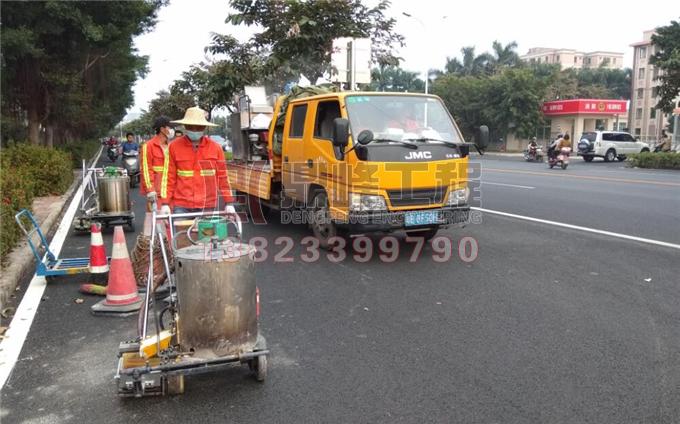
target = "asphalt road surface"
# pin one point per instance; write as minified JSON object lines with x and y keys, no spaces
{"x":545,"y":325}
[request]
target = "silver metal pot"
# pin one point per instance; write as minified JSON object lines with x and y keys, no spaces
{"x":216,"y":294}
{"x":114,"y":194}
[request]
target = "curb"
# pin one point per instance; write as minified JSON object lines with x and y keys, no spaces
{"x":21,"y":262}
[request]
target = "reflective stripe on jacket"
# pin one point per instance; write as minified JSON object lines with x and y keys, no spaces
{"x":154,"y":168}
{"x":196,"y":175}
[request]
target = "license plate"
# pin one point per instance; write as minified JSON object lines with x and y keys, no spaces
{"x":412,"y":219}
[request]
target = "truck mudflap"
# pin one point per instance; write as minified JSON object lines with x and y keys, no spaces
{"x":363,"y":222}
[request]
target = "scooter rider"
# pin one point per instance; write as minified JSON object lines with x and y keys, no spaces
{"x":130,"y":144}
{"x":155,"y":161}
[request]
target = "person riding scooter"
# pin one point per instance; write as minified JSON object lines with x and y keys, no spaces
{"x":130,"y":144}
{"x":557,"y":145}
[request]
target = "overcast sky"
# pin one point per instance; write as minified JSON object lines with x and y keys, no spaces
{"x":184,"y":28}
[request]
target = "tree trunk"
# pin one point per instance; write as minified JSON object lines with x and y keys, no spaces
{"x":49,"y":136}
{"x":33,"y":124}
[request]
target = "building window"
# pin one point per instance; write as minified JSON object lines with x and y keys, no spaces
{"x":574,"y":60}
{"x":655,"y":73}
{"x":637,"y":131}
{"x":614,"y":61}
{"x":640,"y":93}
{"x":655,"y":91}
{"x":652,"y":113}
{"x":643,"y":52}
{"x":638,"y":113}
{"x":557,"y":58}
{"x":641,"y":73}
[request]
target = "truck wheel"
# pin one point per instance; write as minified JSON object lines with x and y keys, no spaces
{"x":610,"y":155}
{"x":320,"y":221}
{"x":588,"y":158}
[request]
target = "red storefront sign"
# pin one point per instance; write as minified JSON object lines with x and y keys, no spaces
{"x":585,"y":106}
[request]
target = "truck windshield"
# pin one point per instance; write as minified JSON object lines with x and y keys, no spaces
{"x":401,"y":118}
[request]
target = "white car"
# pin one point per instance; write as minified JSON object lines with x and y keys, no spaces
{"x":609,"y":145}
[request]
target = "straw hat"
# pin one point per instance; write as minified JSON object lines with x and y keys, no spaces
{"x":195,"y":116}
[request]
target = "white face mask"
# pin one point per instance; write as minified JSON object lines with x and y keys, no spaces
{"x":171,"y":133}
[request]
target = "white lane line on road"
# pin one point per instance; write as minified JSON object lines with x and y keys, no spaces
{"x":11,"y":345}
{"x":509,"y":185}
{"x":578,"y":228}
{"x":582,"y":177}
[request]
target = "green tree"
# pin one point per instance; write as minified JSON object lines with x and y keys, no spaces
{"x":471,"y":64}
{"x":667,"y":59}
{"x":171,"y":103}
{"x":298,"y":35}
{"x":504,"y":56}
{"x":393,"y":78}
{"x":68,"y":67}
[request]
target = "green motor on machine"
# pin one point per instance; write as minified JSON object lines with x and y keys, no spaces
{"x":212,"y":229}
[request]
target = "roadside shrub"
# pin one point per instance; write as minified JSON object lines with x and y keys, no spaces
{"x":50,"y":169}
{"x":655,"y":160}
{"x":28,"y":171}
{"x":16,"y":191}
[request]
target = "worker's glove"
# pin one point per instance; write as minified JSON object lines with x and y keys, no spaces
{"x":230,"y":209}
{"x":151,"y":196}
{"x":165,"y":210}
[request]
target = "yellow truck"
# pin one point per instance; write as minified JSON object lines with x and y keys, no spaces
{"x":357,"y":162}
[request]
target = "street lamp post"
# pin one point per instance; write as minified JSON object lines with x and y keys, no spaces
{"x":427,"y":69}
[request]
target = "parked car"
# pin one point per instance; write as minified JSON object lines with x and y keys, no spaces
{"x":609,"y":145}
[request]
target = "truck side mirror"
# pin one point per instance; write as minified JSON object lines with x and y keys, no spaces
{"x":340,"y":132}
{"x":482,"y":137}
{"x":365,"y":137}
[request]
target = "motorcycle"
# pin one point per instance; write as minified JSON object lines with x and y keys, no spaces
{"x":533,"y":154}
{"x":131,"y":165}
{"x":112,"y":152}
{"x":561,"y":159}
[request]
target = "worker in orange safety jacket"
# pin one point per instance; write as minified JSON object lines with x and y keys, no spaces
{"x":155,"y":161}
{"x":197,"y":170}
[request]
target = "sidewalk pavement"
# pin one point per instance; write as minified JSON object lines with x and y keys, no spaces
{"x":20,"y":261}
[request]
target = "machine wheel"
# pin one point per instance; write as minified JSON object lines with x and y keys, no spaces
{"x":551,"y":165}
{"x":564,"y":165}
{"x":322,"y":226}
{"x":259,"y":367}
{"x":174,"y":384}
{"x":588,"y":158}
{"x":610,"y":155}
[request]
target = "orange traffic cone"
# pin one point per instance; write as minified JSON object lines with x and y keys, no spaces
{"x":99,"y":265}
{"x":122,"y":298}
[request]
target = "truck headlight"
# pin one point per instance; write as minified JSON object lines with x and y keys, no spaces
{"x":458,"y":196}
{"x":366,"y":202}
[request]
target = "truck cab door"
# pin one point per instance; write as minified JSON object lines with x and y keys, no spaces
{"x":293,"y":166}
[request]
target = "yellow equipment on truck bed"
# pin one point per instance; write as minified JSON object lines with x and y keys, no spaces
{"x":359,"y":162}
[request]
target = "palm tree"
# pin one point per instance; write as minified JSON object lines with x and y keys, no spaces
{"x":471,"y":64}
{"x":504,"y":56}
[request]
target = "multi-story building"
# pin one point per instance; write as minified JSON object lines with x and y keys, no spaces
{"x":645,"y":120}
{"x":569,"y":58}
